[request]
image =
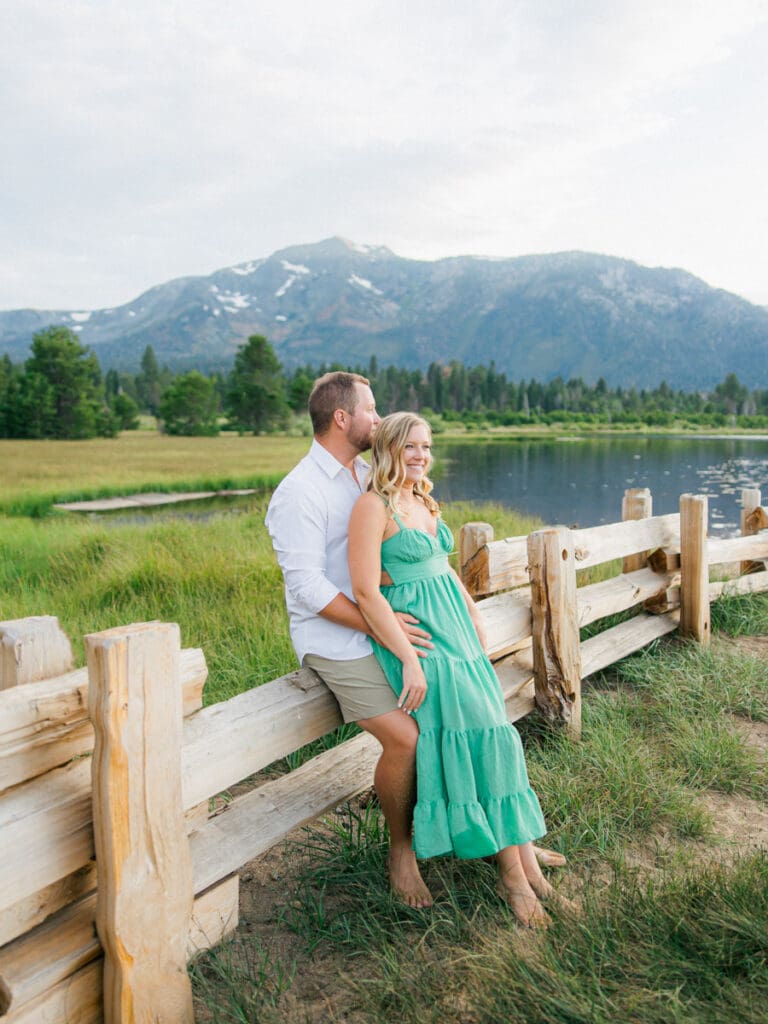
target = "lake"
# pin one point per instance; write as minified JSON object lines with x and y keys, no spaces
{"x":574,"y":481}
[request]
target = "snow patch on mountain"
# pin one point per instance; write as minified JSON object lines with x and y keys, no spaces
{"x":247,"y":268}
{"x":362,"y":282}
{"x":295,"y":268}
{"x":80,"y":318}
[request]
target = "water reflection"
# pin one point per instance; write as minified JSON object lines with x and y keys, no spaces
{"x":575,"y":481}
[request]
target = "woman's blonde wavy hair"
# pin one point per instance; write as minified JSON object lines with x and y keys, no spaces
{"x":387,"y":469}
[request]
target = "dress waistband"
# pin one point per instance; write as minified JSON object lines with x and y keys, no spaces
{"x":427,"y":569}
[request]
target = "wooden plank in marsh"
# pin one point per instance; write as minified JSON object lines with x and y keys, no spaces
{"x":149,"y":500}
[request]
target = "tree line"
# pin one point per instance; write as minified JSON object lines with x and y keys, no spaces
{"x":60,"y":392}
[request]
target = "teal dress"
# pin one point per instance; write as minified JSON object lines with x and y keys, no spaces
{"x":473,"y":794}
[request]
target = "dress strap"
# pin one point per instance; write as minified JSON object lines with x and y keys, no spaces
{"x":398,"y":520}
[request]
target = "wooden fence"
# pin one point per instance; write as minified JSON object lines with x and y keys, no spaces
{"x":79,"y":945}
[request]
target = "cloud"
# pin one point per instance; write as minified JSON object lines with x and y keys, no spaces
{"x":152,"y":141}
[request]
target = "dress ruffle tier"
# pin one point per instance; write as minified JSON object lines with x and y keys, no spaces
{"x":474,"y":797}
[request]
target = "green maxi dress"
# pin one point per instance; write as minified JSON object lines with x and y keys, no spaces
{"x":473,"y":794}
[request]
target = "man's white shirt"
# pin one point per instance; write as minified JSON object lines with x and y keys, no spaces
{"x":308,"y":521}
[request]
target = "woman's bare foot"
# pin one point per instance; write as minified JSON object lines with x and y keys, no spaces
{"x":547,"y":894}
{"x":405,"y":879}
{"x":523,"y":903}
{"x":549,"y":858}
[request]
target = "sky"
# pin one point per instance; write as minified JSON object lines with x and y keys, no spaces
{"x":147,"y":141}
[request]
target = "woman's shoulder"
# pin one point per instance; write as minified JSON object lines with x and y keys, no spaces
{"x":371,"y":505}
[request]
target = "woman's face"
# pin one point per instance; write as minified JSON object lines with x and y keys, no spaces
{"x":417,"y":454}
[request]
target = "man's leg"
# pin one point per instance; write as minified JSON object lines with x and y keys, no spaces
{"x":395,"y":784}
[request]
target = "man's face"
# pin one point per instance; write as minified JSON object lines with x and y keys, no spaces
{"x":363,"y":420}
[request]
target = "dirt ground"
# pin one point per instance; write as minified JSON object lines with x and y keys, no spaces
{"x":267,"y":885}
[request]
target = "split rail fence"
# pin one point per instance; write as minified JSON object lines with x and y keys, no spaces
{"x":117,"y":865}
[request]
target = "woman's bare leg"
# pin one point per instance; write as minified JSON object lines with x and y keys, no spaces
{"x":395,"y":783}
{"x":515,"y":889}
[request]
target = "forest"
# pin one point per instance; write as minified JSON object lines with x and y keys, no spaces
{"x":60,"y":392}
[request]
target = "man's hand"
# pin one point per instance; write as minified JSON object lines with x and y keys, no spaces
{"x":416,"y":636}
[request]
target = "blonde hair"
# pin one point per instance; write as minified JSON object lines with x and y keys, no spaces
{"x":387,"y":469}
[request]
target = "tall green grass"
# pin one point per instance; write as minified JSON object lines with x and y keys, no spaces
{"x":35,"y":474}
{"x":685,"y":941}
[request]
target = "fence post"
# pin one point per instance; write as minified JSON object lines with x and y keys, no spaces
{"x":694,"y":568}
{"x":751,"y":500}
{"x":473,"y":558}
{"x":33,"y":649}
{"x":555,"y":627}
{"x":636,"y":504}
{"x":145,"y":893}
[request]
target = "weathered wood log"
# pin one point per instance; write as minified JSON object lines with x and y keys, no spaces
{"x":619,"y":641}
{"x":76,"y":1000}
{"x":507,"y":620}
{"x":47,"y":955}
{"x":757,"y":520}
{"x":665,"y":600}
{"x":32,"y":649}
{"x":26,"y":914}
{"x":473,"y":557}
{"x":46,"y":831}
{"x":620,"y":593}
{"x":57,"y":949}
{"x":219,"y":747}
{"x":555,"y":632}
{"x":694,"y":568}
{"x":617,"y":540}
{"x":44,"y":725}
{"x":734,"y":549}
{"x":665,"y":559}
{"x":507,"y":563}
{"x":751,"y":507}
{"x":145,"y":894}
{"x":254,"y":822}
{"x":32,"y":966}
{"x":215,"y":915}
{"x":636,"y":504}
{"x":752,"y":583}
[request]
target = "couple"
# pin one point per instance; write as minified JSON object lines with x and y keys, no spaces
{"x":364,"y":555}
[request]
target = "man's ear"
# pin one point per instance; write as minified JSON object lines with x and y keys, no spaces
{"x":339,"y":418}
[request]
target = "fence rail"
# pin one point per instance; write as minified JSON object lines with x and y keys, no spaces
{"x":141,"y":807}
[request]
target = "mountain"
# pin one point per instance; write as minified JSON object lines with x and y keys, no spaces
{"x":571,"y":314}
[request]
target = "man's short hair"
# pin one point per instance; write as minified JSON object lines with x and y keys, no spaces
{"x":330,"y":392}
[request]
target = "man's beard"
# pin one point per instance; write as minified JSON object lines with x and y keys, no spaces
{"x":360,"y":438}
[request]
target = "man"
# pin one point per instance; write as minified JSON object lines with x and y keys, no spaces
{"x":308,"y":520}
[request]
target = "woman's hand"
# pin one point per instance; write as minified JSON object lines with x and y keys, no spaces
{"x":414,"y":688}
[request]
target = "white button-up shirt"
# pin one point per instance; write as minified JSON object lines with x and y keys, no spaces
{"x":308,"y":521}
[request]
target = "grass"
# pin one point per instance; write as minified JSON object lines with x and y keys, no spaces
{"x":36,"y":474}
{"x":681,"y":943}
{"x":684,"y":940}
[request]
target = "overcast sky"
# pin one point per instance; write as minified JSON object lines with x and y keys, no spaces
{"x":145,"y":141}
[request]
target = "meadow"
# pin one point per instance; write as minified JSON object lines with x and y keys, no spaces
{"x":675,"y":907}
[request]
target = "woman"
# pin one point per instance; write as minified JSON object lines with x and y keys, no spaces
{"x":474,"y":799}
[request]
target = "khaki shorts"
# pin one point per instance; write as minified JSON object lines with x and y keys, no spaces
{"x":359,"y":685}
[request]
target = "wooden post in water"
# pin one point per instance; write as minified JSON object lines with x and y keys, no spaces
{"x":555,"y":627}
{"x":694,"y":568}
{"x":33,"y":649}
{"x":473,"y":557}
{"x":145,"y":893}
{"x":636,"y":504}
{"x":751,"y":501}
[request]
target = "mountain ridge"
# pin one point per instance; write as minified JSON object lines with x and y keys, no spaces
{"x":568,"y":314}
